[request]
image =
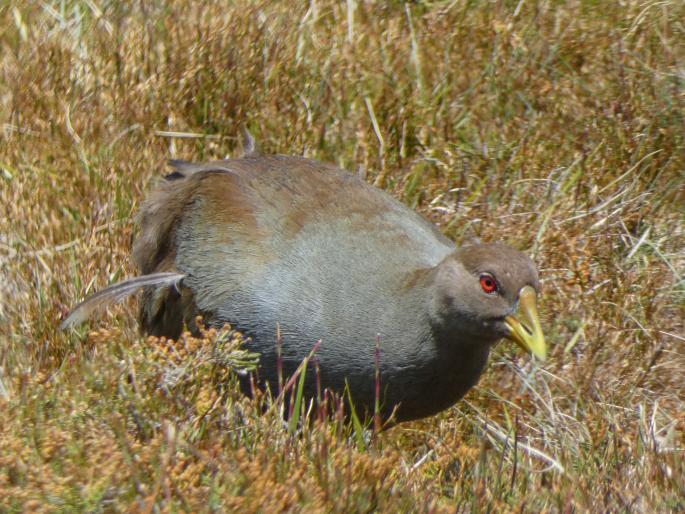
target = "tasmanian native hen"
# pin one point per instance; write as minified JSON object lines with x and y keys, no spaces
{"x":279,"y":244}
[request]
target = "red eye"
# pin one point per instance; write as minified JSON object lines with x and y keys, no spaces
{"x":487,"y":282}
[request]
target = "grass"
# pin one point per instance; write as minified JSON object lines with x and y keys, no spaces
{"x":555,"y":126}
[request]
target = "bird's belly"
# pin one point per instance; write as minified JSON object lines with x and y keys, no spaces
{"x":413,"y":384}
{"x":345,"y":294}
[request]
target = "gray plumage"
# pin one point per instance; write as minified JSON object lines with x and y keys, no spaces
{"x":269,"y":242}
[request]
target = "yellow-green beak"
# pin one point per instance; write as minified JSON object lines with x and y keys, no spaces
{"x":524,"y":327}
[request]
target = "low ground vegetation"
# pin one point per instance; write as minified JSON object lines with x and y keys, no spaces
{"x":556,"y":127}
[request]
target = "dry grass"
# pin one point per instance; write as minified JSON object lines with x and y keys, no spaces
{"x":558,"y":127}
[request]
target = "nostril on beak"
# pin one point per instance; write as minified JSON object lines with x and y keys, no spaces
{"x":527,"y":328}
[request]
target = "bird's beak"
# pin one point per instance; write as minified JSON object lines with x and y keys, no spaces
{"x":524,"y":327}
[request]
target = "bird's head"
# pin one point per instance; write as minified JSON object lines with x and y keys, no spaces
{"x":486,"y":292}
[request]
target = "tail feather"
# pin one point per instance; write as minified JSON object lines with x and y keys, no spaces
{"x":116,"y":293}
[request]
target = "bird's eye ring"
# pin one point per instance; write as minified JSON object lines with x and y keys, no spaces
{"x":488,"y":283}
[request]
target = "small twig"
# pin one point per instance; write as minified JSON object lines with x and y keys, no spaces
{"x":423,"y":459}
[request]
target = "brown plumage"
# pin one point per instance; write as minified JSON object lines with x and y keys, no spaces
{"x":272,"y":242}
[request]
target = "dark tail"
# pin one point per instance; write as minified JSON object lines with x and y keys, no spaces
{"x":116,"y":293}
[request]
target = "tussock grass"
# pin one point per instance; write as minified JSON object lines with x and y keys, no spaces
{"x":557,"y":127}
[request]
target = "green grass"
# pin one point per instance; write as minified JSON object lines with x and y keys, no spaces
{"x":554,"y":126}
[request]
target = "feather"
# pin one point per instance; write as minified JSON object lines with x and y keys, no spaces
{"x":181,"y":168}
{"x":116,"y":293}
{"x":250,"y":145}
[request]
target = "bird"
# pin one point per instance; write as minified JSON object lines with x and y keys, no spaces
{"x":301,"y":255}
